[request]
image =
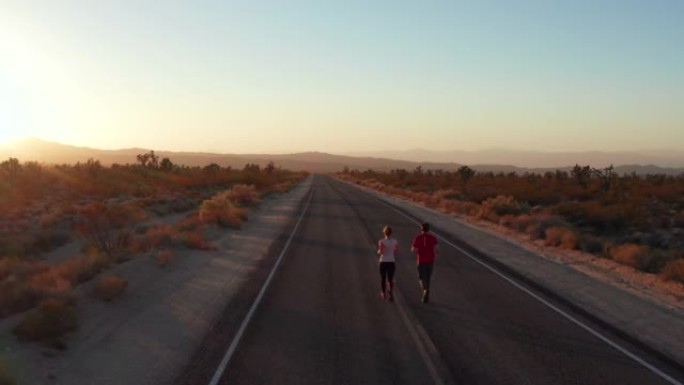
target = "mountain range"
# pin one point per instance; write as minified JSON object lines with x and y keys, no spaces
{"x":662,"y":162}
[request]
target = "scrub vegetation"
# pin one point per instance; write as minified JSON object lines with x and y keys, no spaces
{"x":632,"y":219}
{"x":103,"y":216}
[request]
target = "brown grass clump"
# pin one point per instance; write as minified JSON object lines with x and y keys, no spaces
{"x":674,"y":270}
{"x":196,"y":240}
{"x":592,"y":244}
{"x":493,"y":208}
{"x":221,"y":210}
{"x":560,"y":237}
{"x":639,"y":257}
{"x":243,"y":195}
{"x":84,"y":267}
{"x":190,"y":222}
{"x":51,"y":320}
{"x":160,"y":236}
{"x":163,"y":257}
{"x":109,"y":287}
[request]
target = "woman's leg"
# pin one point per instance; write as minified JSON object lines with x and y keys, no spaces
{"x":383,"y":277}
{"x":390,"y":278}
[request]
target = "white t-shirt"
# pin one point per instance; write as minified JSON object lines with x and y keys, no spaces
{"x":387,"y":247}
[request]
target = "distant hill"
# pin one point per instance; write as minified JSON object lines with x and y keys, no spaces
{"x":56,"y":153}
{"x":537,"y":159}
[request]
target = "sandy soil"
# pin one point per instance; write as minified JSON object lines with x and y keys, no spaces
{"x":146,"y":335}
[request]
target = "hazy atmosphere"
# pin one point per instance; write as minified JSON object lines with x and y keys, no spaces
{"x":279,"y":77}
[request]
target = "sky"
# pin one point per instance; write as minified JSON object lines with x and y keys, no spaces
{"x":344,"y":76}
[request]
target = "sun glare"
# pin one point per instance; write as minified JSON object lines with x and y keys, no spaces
{"x":37,"y":90}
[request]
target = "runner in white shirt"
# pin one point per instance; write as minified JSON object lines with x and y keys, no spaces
{"x":387,"y":248}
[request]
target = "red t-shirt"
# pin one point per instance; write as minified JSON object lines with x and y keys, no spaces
{"x":425,"y":247}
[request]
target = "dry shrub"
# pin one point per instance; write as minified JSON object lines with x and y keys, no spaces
{"x":109,"y":228}
{"x":466,"y":208}
{"x":196,"y":240}
{"x":560,"y":237}
{"x":539,"y":223}
{"x":109,"y":287}
{"x":15,"y":292}
{"x":190,"y":222}
{"x":520,"y":223}
{"x":653,"y":260}
{"x":591,"y":244}
{"x":84,"y":267}
{"x":674,"y":270}
{"x":220,"y":210}
{"x":493,"y":208}
{"x":626,"y":254}
{"x":50,"y":219}
{"x":243,"y":195}
{"x":160,"y":236}
{"x":163,"y":257}
{"x":52,"y":319}
{"x":49,"y":283}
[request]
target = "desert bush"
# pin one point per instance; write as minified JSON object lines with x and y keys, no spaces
{"x":243,"y":195}
{"x":16,"y":294}
{"x":560,"y":237}
{"x":163,"y":257}
{"x":189,"y":222}
{"x":160,"y":236}
{"x":109,"y":228}
{"x":591,"y":244}
{"x":109,"y":287}
{"x":48,"y":283}
{"x":220,"y":210}
{"x":539,"y":224}
{"x":654,"y":260}
{"x":493,"y":208}
{"x":51,"y":320}
{"x":626,"y":254}
{"x":519,"y":223}
{"x":81,"y":268}
{"x":196,"y":240}
{"x":674,"y":270}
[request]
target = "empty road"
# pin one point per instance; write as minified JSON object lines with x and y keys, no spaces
{"x":321,"y":320}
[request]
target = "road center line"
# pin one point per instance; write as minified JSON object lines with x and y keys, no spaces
{"x":233,"y":345}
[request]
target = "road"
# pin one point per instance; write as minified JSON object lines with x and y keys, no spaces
{"x":321,"y":320}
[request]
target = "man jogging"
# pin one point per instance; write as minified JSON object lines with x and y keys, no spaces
{"x":425,"y":247}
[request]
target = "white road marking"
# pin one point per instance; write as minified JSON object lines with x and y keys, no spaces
{"x":572,"y":319}
{"x":233,"y":345}
{"x":424,"y":344}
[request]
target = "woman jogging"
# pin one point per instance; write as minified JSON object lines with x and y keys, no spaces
{"x":387,"y":249}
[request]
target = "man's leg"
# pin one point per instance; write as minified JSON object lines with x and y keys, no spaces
{"x":424,"y":280}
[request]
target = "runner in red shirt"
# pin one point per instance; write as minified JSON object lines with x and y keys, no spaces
{"x":425,"y":247}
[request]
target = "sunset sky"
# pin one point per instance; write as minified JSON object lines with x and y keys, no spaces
{"x":288,"y":76}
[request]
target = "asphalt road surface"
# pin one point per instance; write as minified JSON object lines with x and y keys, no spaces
{"x":321,"y":320}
